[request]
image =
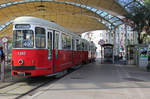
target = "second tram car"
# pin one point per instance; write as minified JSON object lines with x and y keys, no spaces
{"x":41,"y":48}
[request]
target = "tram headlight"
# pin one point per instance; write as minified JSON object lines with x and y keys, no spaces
{"x":20,"y":61}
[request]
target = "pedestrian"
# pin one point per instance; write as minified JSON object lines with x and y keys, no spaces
{"x":120,"y":56}
{"x":2,"y":56}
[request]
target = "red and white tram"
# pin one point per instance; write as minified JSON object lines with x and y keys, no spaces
{"x":41,"y":48}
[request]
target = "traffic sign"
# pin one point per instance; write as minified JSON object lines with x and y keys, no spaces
{"x":101,"y":42}
{"x":4,"y":39}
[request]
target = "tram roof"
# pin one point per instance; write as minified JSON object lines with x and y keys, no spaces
{"x":39,"y":21}
{"x":75,"y":15}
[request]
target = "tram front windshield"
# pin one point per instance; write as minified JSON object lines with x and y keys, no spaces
{"x":23,"y":39}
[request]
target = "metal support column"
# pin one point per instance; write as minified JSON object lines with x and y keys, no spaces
{"x":110,"y":36}
{"x":114,"y":43}
{"x":2,"y":71}
{"x":118,"y":31}
{"x":126,"y":41}
{"x":111,"y":32}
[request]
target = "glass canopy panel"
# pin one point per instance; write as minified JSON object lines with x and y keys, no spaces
{"x":124,"y":2}
{"x":8,"y":4}
{"x":131,"y":5}
{"x":103,"y":14}
{"x":89,"y":8}
{"x":21,"y":1}
{"x":3,"y":5}
{"x":83,"y":6}
{"x":29,"y":0}
{"x":108,"y":17}
{"x":113,"y":19}
{"x":94,"y":9}
{"x":117,"y":23}
{"x":108,"y":25}
{"x":5,"y":24}
{"x":77,"y":4}
{"x":69,"y":2}
{"x":15,"y":2}
{"x":141,"y":2}
{"x":103,"y":22}
{"x":99,"y":11}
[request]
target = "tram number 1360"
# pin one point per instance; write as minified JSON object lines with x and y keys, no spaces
{"x":21,"y":53}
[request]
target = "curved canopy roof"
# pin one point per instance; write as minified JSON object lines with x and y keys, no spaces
{"x":75,"y":15}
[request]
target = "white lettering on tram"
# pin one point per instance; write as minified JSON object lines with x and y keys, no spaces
{"x":21,"y":53}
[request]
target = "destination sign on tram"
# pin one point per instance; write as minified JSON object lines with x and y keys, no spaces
{"x":22,"y":26}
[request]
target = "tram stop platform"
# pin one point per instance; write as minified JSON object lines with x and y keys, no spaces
{"x":99,"y":81}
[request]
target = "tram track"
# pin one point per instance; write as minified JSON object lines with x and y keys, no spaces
{"x":18,"y":89}
{"x":10,"y":84}
{"x":27,"y":86}
{"x":50,"y":81}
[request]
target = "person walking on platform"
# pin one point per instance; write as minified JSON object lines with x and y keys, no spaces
{"x":2,"y":58}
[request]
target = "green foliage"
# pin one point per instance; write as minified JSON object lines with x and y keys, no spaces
{"x":10,"y":40}
{"x":139,"y":17}
{"x":146,"y":1}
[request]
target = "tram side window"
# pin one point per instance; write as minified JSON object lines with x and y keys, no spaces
{"x":56,"y":41}
{"x":49,"y":40}
{"x":40,"y":38}
{"x":73,"y":44}
{"x":87,"y":48}
{"x":66,"y":41}
{"x":49,"y":44}
{"x":63,"y":39}
{"x":83,"y":46}
{"x":78,"y":45}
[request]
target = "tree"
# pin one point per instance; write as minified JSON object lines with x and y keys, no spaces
{"x":139,"y":18}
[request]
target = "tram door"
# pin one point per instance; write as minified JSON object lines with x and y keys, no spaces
{"x":53,"y":44}
{"x":50,"y":47}
{"x":55,"y":51}
{"x":73,"y":51}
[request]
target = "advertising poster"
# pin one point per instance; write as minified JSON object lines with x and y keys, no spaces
{"x":143,"y":56}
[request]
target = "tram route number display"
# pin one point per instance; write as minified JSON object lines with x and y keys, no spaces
{"x":27,"y":43}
